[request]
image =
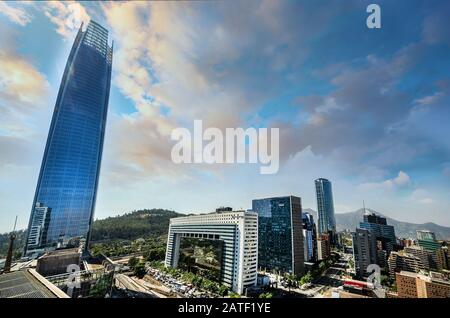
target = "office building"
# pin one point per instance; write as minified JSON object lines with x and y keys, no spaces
{"x":325,"y":208}
{"x":383,"y":232}
{"x":236,"y":234}
{"x":309,"y":237}
{"x":69,"y":174}
{"x":425,"y":235}
{"x":364,"y":251}
{"x":280,"y":238}
{"x":418,"y":285}
{"x":323,"y":247}
{"x":39,"y":226}
{"x":402,"y":261}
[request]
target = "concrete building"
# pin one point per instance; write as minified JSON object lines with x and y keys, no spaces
{"x":402,"y":261}
{"x":323,"y":247}
{"x":39,"y":226}
{"x":364,"y":251}
{"x":417,"y":285}
{"x":238,"y":230}
{"x":56,"y":262}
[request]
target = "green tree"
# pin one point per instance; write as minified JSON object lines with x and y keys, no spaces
{"x":266,"y":295}
{"x":139,"y":270}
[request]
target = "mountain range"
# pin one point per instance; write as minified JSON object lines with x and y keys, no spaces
{"x":350,"y":220}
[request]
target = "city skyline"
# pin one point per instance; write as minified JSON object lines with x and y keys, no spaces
{"x":363,"y":118}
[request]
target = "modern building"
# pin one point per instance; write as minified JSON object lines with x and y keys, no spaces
{"x":39,"y":226}
{"x":402,"y":261}
{"x":69,"y":174}
{"x":418,"y":285}
{"x":364,"y":251}
{"x":309,"y":237}
{"x":425,"y":235}
{"x":280,"y":237}
{"x":325,"y":207}
{"x":383,"y":232}
{"x":421,"y":253}
{"x":323,"y":247}
{"x":437,"y":259}
{"x":237,"y":231}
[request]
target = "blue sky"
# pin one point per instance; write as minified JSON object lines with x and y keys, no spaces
{"x":367,"y":109}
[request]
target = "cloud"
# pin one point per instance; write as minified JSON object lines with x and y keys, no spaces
{"x":203,"y":61}
{"x":436,"y":25}
{"x":20,"y":83}
{"x":430,"y":99}
{"x":401,"y":180}
{"x":67,"y":16}
{"x":421,"y":196}
{"x":15,"y":13}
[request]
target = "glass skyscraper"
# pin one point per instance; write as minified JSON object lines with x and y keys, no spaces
{"x":280,"y":237}
{"x":383,"y":232}
{"x":69,"y":174}
{"x":325,"y":207}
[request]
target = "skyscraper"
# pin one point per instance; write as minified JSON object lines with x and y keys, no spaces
{"x":309,"y":237}
{"x":364,"y":251}
{"x":325,"y":207}
{"x":69,"y":173}
{"x":383,"y":232}
{"x":280,"y":237}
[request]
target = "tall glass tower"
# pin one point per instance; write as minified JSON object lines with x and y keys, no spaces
{"x":280,"y":237}
{"x":68,"y":179}
{"x":325,"y":206}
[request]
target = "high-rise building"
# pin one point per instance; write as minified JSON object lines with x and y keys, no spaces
{"x":427,"y":240}
{"x":383,"y":232}
{"x":425,"y":235}
{"x":280,"y":238}
{"x":402,"y":261}
{"x":323,"y":246}
{"x":309,"y":237}
{"x":69,"y":173}
{"x":364,"y":251}
{"x":237,"y":235}
{"x":325,"y":207}
{"x":416,"y":285}
{"x":39,"y":226}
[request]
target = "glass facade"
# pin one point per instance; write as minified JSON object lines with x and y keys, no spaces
{"x":280,"y":237}
{"x":325,"y":206}
{"x":309,"y":237}
{"x":383,"y":232}
{"x":70,"y":168}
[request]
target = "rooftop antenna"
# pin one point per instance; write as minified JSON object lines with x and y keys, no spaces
{"x":364,"y":207}
{"x":8,"y":260}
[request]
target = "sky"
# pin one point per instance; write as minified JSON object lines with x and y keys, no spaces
{"x":368,"y":109}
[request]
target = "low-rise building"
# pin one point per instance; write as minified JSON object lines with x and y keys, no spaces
{"x":419,"y":285}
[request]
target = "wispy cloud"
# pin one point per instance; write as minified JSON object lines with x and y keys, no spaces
{"x":15,"y":12}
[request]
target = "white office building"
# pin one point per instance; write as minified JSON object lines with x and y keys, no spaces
{"x":238,"y":230}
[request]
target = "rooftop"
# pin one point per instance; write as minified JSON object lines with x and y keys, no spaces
{"x":28,"y":284}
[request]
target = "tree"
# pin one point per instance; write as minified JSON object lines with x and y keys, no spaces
{"x":266,"y":295}
{"x":132,"y":262}
{"x":139,"y":270}
{"x":308,"y":278}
